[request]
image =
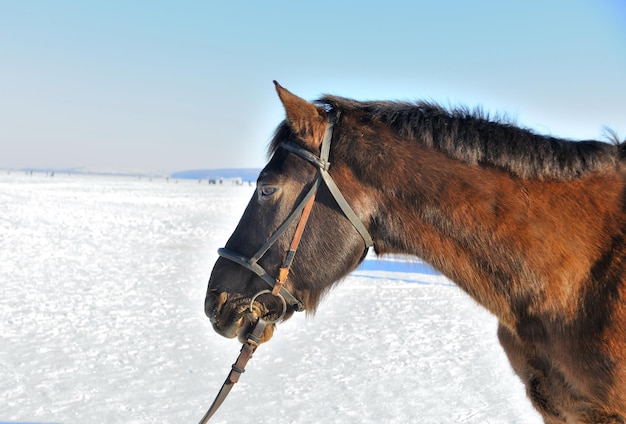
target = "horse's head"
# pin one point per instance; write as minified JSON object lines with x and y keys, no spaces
{"x":296,"y":206}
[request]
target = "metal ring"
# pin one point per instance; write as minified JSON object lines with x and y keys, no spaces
{"x":282,"y":299}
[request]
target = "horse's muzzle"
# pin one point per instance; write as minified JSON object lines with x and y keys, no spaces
{"x":232,"y":315}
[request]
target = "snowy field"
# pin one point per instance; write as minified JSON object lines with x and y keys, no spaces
{"x":101,"y":320}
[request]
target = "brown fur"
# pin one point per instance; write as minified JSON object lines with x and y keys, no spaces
{"x":531,"y":227}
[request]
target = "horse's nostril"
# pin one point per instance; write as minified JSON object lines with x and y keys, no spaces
{"x":213,"y":303}
{"x":210,"y":302}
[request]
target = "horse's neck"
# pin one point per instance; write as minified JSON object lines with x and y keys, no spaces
{"x":501,"y":239}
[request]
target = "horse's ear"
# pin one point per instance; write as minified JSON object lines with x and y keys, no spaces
{"x":305,"y":119}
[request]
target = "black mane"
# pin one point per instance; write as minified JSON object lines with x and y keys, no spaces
{"x":475,"y":138}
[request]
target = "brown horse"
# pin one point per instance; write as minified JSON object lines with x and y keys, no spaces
{"x":531,"y":227}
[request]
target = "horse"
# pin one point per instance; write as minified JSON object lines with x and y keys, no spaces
{"x":530,"y":226}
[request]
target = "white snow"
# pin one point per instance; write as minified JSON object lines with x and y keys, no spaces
{"x":101,"y":320}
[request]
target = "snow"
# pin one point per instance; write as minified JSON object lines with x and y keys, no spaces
{"x":101,"y":320}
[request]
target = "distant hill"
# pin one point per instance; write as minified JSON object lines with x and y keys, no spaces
{"x":241,"y":174}
{"x":96,"y":171}
{"x":246,"y":174}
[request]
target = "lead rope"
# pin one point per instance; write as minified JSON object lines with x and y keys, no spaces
{"x":238,"y":368}
{"x":253,"y":340}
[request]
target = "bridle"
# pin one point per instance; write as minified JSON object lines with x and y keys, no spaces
{"x":277,"y":284}
{"x":302,"y":210}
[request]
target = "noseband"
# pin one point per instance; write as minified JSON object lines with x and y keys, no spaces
{"x":302,"y":210}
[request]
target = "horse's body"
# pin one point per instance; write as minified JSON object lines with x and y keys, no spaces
{"x":531,"y":227}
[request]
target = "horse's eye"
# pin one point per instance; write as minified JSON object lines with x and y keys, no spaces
{"x":267,"y":191}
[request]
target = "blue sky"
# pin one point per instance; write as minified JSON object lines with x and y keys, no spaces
{"x":174,"y":85}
